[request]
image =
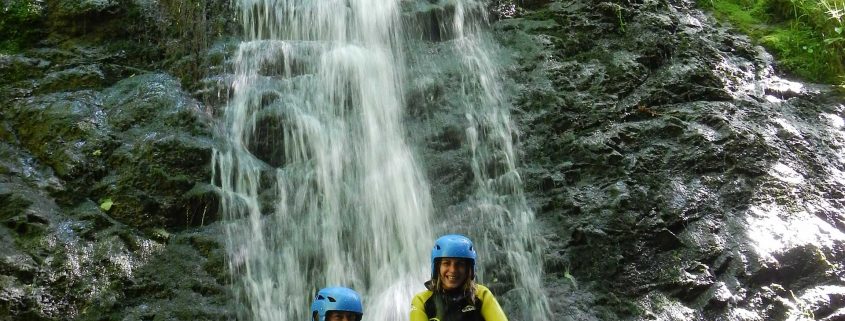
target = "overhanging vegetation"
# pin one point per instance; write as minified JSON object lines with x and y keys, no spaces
{"x":806,"y":36}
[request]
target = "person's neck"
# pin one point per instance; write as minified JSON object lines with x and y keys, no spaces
{"x":454,"y":294}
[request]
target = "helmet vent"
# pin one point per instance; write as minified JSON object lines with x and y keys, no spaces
{"x":320,"y":297}
{"x":436,"y":247}
{"x":331,"y":299}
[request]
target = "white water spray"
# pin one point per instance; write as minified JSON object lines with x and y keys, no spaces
{"x":319,"y":188}
{"x":499,"y":199}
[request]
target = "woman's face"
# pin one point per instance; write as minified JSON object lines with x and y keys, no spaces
{"x":453,"y":272}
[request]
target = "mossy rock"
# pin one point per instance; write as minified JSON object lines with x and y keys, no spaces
{"x":175,"y":283}
{"x":21,"y":24}
{"x":76,"y":78}
{"x":19,"y":67}
{"x":76,"y":8}
{"x":157,"y":173}
{"x":63,"y":130}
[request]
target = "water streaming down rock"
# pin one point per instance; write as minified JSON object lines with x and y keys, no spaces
{"x":499,"y":199}
{"x":319,"y":186}
{"x":460,"y":100}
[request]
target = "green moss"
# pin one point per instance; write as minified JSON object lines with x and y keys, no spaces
{"x":806,"y":36}
{"x":20,"y":23}
{"x":738,"y":14}
{"x":803,"y":53}
{"x":13,"y":205}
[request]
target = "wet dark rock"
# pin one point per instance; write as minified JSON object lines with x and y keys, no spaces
{"x":653,"y":143}
{"x":104,"y":166}
{"x":149,"y":191}
{"x":157,"y":171}
{"x":61,"y":129}
{"x":799,"y":267}
{"x":19,"y":266}
{"x":694,"y":281}
{"x":838,"y":316}
{"x":825,"y":302}
{"x":718,"y":297}
{"x":431,"y":20}
{"x":85,"y":266}
{"x":78,"y":8}
{"x":659,"y":151}
{"x":143,"y":140}
{"x":161,"y":289}
{"x":264,"y":140}
{"x":76,"y":78}
{"x":139,"y":101}
{"x":18,"y":67}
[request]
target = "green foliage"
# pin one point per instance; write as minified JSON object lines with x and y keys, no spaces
{"x":569,"y":277}
{"x":621,"y":20}
{"x":804,"y":53}
{"x":807,"y":36}
{"x":736,"y":13}
{"x":17,"y":24}
{"x":106,"y":204}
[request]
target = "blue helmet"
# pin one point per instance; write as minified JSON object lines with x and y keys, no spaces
{"x":452,"y":245}
{"x":337,"y":299}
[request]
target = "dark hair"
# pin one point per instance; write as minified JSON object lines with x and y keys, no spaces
{"x":330,"y":312}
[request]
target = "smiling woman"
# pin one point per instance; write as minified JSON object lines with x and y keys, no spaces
{"x":452,"y":294}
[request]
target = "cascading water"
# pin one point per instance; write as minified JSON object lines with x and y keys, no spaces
{"x":499,"y":197}
{"x":497,"y":215}
{"x":318,"y":185}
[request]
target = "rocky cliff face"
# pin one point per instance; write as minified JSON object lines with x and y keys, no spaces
{"x":107,"y":209}
{"x":678,"y":177}
{"x":674,"y":176}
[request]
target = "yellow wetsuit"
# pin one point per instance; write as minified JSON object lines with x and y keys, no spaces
{"x":444,"y":307}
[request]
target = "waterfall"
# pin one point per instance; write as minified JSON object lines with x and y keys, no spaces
{"x":504,"y":221}
{"x":499,"y":198}
{"x":319,"y":187}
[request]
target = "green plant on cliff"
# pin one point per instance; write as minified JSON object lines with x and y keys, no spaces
{"x":806,"y":36}
{"x":106,"y":204}
{"x":15,"y":14}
